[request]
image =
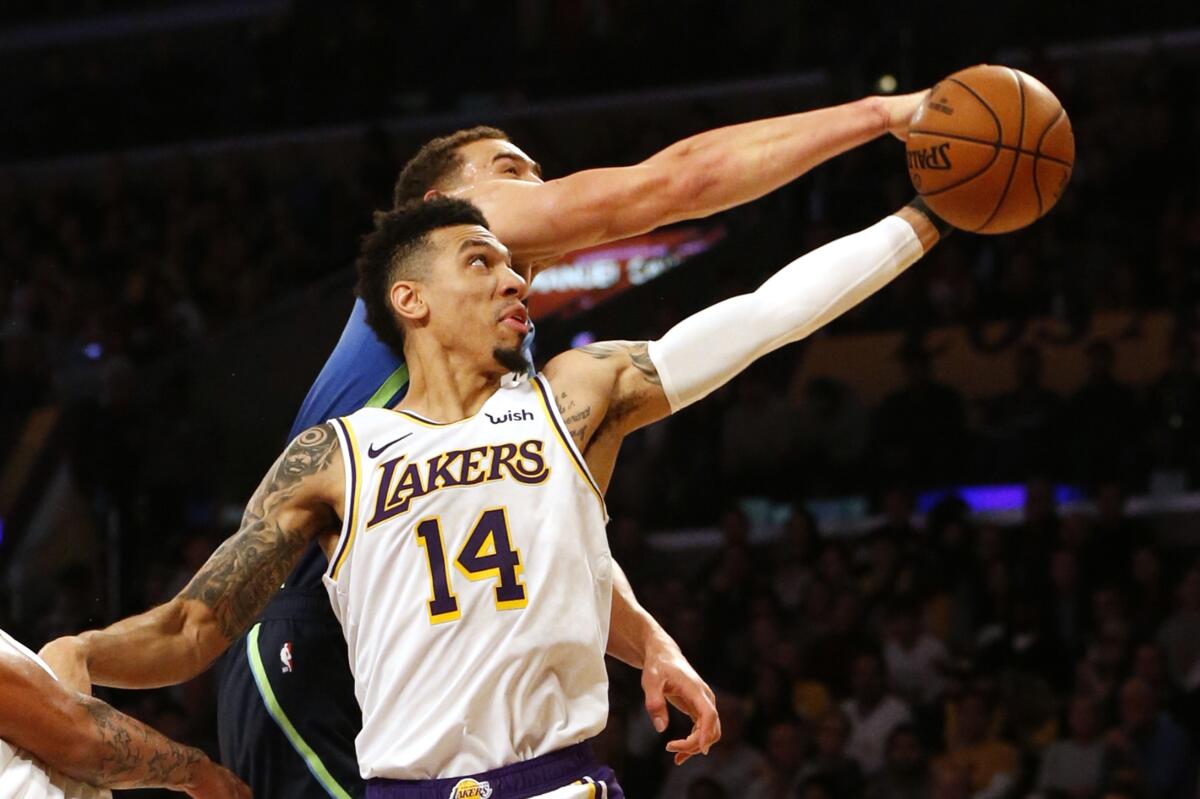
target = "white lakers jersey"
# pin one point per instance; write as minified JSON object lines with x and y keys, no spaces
{"x":473,"y":582}
{"x":23,"y":777}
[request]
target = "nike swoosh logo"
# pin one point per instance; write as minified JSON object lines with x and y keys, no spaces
{"x":375,"y":453}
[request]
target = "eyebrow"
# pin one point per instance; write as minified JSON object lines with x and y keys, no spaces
{"x":475,"y":241}
{"x":534,"y":165}
{"x":489,"y":244}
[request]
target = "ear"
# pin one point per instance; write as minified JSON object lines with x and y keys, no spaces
{"x":408,"y":301}
{"x":431,"y":194}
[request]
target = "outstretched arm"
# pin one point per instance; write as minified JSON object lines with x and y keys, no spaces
{"x":89,"y":741}
{"x":607,"y":389}
{"x":691,"y":179}
{"x":296,"y":502}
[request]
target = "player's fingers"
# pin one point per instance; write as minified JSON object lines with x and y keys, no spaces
{"x":682,"y":757}
{"x":688,"y":746}
{"x":656,"y":702}
{"x":712,"y":732}
{"x":695,"y":702}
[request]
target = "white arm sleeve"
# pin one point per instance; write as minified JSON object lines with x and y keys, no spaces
{"x":706,"y":350}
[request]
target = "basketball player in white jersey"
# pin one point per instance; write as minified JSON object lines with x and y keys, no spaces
{"x":692,"y":178}
{"x":59,"y":744}
{"x":464,"y":528}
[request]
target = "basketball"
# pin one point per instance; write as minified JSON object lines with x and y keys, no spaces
{"x":991,"y":149}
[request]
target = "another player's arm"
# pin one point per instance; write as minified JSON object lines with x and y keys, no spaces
{"x":174,"y":642}
{"x":691,"y":179}
{"x":90,"y":741}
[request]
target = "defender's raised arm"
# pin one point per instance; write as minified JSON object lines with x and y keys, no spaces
{"x":691,"y":179}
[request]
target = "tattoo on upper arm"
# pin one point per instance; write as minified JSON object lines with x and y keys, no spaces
{"x":248,"y":568}
{"x":132,"y":754}
{"x":638,"y":352}
{"x":576,"y":419}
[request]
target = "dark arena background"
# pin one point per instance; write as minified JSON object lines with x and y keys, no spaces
{"x":946,"y":547}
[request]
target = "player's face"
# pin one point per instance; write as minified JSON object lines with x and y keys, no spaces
{"x":476,"y":299}
{"x":496,"y":159}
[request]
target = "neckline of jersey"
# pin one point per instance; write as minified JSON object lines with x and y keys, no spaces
{"x":420,"y":419}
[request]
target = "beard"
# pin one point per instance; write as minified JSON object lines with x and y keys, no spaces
{"x":512,"y":358}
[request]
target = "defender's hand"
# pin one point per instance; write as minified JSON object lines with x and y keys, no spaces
{"x":212,"y":781}
{"x":898,"y":112}
{"x":668,"y":677}
{"x":66,"y":658}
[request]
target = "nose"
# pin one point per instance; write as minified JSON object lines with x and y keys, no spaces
{"x":512,"y":284}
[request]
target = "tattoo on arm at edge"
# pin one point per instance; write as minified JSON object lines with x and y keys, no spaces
{"x":248,"y":568}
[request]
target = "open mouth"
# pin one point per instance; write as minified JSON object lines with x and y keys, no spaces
{"x":517,"y":318}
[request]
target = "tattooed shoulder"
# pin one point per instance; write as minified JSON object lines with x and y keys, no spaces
{"x":248,"y":568}
{"x":638,"y":352}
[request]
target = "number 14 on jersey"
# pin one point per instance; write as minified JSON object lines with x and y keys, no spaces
{"x":488,"y":553}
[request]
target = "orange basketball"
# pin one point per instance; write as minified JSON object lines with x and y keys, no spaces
{"x":990,"y":149}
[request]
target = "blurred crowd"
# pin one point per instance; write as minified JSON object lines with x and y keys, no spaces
{"x":1055,"y":658}
{"x":264,"y":65}
{"x":792,"y":440}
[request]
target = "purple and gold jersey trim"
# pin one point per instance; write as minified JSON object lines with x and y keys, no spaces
{"x":565,"y":439}
{"x":351,"y":513}
{"x":421,"y":420}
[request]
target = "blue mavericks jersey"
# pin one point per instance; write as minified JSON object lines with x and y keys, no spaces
{"x":361,"y":371}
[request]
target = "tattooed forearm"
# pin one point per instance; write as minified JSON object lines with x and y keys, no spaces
{"x":247,"y":570}
{"x":128,"y":754}
{"x":638,"y":352}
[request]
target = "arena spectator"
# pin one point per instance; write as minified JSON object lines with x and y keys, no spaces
{"x":1149,"y":744}
{"x":914,"y":658}
{"x":872,"y":711}
{"x":1104,"y":420}
{"x":832,"y":431}
{"x":1174,"y":414}
{"x":832,"y":765}
{"x":906,"y":773}
{"x":757,"y":438}
{"x":920,"y":430}
{"x":1179,"y":635}
{"x":786,"y":746}
{"x":1022,"y":425}
{"x":1075,"y":766}
{"x":993,"y":765}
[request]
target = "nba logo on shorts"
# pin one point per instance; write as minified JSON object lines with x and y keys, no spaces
{"x":470,"y":789}
{"x":285,"y":657}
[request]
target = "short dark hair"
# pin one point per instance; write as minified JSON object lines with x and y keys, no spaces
{"x":434,"y":162}
{"x":389,"y":253}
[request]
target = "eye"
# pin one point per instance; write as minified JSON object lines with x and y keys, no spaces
{"x":479,"y":260}
{"x":512,"y":170}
